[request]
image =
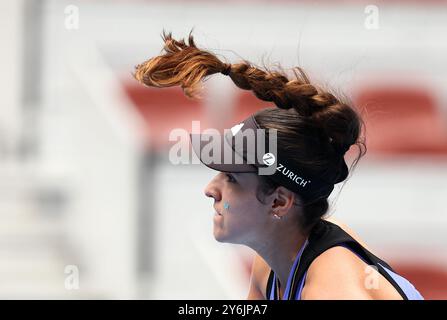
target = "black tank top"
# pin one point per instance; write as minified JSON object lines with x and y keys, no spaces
{"x":323,"y":236}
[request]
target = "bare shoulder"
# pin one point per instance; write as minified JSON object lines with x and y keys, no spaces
{"x":339,"y":265}
{"x":336,"y":274}
{"x":333,"y":267}
{"x":260,"y":272}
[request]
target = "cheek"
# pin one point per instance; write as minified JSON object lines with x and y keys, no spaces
{"x":244,"y":219}
{"x":246,"y":213}
{"x":242,"y":210}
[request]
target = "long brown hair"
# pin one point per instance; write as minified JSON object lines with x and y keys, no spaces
{"x":314,"y":127}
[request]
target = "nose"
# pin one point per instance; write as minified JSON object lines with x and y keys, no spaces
{"x":212,"y":190}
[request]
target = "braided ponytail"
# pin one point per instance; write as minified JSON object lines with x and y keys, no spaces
{"x":182,"y":64}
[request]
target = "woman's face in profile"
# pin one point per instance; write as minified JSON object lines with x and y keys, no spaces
{"x":239,"y":216}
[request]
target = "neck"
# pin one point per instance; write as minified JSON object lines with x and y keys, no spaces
{"x":280,"y":249}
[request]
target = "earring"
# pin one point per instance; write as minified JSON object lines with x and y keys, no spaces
{"x":277,"y":217}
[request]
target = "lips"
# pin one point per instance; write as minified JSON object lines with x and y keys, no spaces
{"x":217,"y":212}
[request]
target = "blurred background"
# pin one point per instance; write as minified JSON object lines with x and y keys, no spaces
{"x":91,"y":206}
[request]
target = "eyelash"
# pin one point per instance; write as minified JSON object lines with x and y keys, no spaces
{"x":230,"y":178}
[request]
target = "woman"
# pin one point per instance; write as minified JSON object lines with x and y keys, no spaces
{"x":280,"y":215}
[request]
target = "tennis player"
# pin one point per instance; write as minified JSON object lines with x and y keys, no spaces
{"x":300,"y":253}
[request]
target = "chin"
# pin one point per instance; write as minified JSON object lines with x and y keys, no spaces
{"x":220,"y":237}
{"x":225,"y":238}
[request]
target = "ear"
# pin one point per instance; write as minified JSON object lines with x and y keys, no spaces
{"x":283,"y":200}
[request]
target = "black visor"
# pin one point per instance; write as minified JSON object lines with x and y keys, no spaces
{"x":248,"y":148}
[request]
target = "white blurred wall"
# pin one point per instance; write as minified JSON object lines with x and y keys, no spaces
{"x":10,"y":78}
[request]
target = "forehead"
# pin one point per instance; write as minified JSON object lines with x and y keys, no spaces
{"x":248,"y":177}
